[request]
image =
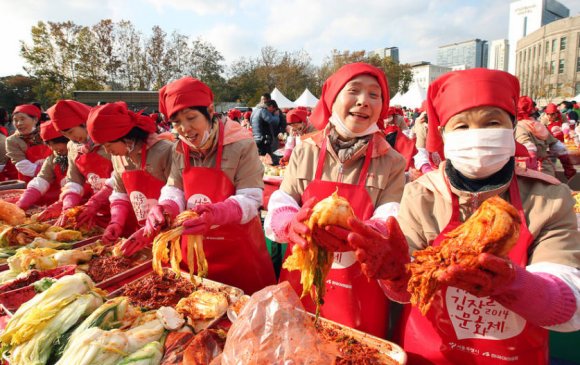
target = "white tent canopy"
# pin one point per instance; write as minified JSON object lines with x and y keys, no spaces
{"x":281,"y":100}
{"x":412,"y":98}
{"x":306,"y":99}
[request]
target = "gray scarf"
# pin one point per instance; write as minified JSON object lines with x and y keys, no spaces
{"x":346,"y":149}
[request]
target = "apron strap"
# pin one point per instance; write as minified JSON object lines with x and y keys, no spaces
{"x":144,"y":156}
{"x":365,"y":168}
{"x":218,"y":160}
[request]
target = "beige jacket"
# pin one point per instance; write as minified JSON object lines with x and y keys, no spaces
{"x":384,"y":183}
{"x":548,"y":207}
{"x":16,"y":148}
{"x":3,"y":155}
{"x":526,"y":138}
{"x":420,"y":129}
{"x":158,"y":164}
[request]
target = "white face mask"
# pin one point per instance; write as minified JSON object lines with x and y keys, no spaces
{"x":203,"y":140}
{"x":479,"y":153}
{"x":344,"y":131}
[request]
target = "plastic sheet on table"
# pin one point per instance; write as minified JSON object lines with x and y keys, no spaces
{"x":273,"y":328}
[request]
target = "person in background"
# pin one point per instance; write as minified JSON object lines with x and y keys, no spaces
{"x":7,"y":169}
{"x":394,"y":131}
{"x":265,"y":121}
{"x":423,"y":159}
{"x":141,"y":164}
{"x":89,"y":167}
{"x":349,"y":154}
{"x":297,"y":126}
{"x":570,"y":118}
{"x":215,"y":172}
{"x":538,"y":141}
{"x":511,"y":302}
{"x":25,"y":147}
{"x":235,"y":115}
{"x":554,"y":121}
{"x":246,"y":120}
{"x":45,"y":188}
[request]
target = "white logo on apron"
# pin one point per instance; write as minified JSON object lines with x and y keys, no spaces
{"x":474,"y":317}
{"x":343,"y":260}
{"x":95,"y":181}
{"x":197,"y":199}
{"x":141,"y":204}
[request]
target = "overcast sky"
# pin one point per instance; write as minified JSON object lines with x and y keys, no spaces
{"x":241,"y":28}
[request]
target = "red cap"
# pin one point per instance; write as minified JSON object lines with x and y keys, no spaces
{"x":423,"y":107}
{"x":525,"y":107}
{"x":29,"y":109}
{"x":66,"y":114}
{"x":113,"y":121}
{"x":247,"y":115}
{"x":391,"y":111}
{"x":296,"y":116}
{"x":183,"y":93}
{"x":334,"y":84}
{"x":234,"y":113}
{"x":458,"y":91}
{"x":551,"y":109}
{"x":48,"y":131}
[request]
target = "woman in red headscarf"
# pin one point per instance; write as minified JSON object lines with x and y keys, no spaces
{"x":217,"y":173}
{"x":349,"y":153}
{"x":45,"y":188}
{"x":554,"y":116}
{"x":141,"y":164}
{"x":394,"y":126}
{"x":539,"y":142}
{"x":89,"y":166}
{"x":296,"y":126}
{"x":497,"y":313}
{"x":25,"y":147}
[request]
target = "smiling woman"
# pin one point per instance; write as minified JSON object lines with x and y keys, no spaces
{"x":350,"y":156}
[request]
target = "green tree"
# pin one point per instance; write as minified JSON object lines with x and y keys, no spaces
{"x":16,"y":90}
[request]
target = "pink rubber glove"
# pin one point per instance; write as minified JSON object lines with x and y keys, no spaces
{"x":69,"y":200}
{"x":426,"y":168}
{"x":157,"y":217}
{"x":51,"y":212}
{"x":28,"y":198}
{"x":494,"y":275}
{"x":136,"y":242}
{"x":120,"y":210}
{"x":226,"y":212}
{"x":381,"y":255}
{"x":532,"y":161}
{"x":89,"y":213}
{"x":540,"y":298}
{"x":297,"y":229}
{"x":569,"y":169}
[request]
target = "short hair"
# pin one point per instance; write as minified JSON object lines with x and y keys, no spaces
{"x":272,"y":103}
{"x":267,"y":96}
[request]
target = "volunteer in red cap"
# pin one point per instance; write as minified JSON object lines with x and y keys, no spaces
{"x":45,"y":188}
{"x":141,"y":164}
{"x":554,"y":121}
{"x":394,"y":126}
{"x":216,"y":173}
{"x":349,"y":153}
{"x":89,"y":166}
{"x":539,"y":142}
{"x":25,"y":148}
{"x":498,"y":313}
{"x":246,"y":122}
{"x":296,"y":126}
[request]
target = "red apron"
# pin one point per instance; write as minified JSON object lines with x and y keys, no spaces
{"x":236,"y":253}
{"x":96,"y":169}
{"x":351,"y":299}
{"x":33,"y":154}
{"x":461,"y":328}
{"x":403,"y":144}
{"x":143,"y":190}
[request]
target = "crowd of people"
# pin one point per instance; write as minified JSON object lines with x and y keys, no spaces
{"x":473,"y":138}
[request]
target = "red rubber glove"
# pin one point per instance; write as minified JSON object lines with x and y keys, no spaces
{"x":332,"y":238}
{"x":569,"y":169}
{"x":120,"y":210}
{"x":382,"y":256}
{"x":493,"y":277}
{"x":136,"y":242}
{"x":69,"y":200}
{"x":156,"y":218}
{"x":95,"y":203}
{"x":226,"y":212}
{"x":28,"y":198}
{"x":51,"y":212}
{"x":297,"y":229}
